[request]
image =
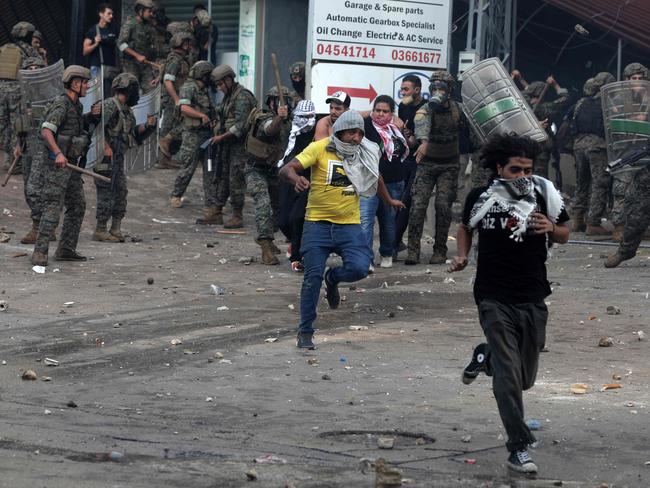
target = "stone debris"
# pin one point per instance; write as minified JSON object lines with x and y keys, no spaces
{"x":579,"y":388}
{"x":29,"y":375}
{"x":251,"y":475}
{"x":385,"y":442}
{"x":613,"y":310}
{"x":605,"y":342}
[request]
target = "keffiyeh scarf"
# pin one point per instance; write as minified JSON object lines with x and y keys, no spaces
{"x":387,"y":130}
{"x":518,"y":199}
{"x":304,"y":119}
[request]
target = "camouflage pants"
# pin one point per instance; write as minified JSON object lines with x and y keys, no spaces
{"x":190,"y":156}
{"x":443,"y":176}
{"x":33,"y":177}
{"x":620,"y":184}
{"x":10,"y":102}
{"x":591,"y":183}
{"x":637,"y":213}
{"x":111,"y":197}
{"x":262,"y":183}
{"x":62,"y":188}
{"x":479,"y":175}
{"x":143,"y":72}
{"x":232,"y":182}
{"x":171,"y":121}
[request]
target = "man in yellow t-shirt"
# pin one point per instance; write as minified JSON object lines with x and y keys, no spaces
{"x":332,"y":222}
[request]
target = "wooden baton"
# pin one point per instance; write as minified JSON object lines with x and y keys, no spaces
{"x":88,"y":173}
{"x":278,"y":82}
{"x":11,"y":170}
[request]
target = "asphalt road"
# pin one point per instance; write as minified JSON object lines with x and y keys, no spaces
{"x":190,"y":393}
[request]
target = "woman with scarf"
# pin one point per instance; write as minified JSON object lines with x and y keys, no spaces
{"x":517,"y":217}
{"x":292,"y":204}
{"x":382,"y":129}
{"x":344,"y":167}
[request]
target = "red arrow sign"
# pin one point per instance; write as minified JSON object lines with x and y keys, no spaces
{"x":368,"y":93}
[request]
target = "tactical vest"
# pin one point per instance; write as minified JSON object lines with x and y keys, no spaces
{"x":263,"y":148}
{"x":10,"y":61}
{"x":184,"y":72}
{"x":201,"y":103}
{"x":588,"y":117}
{"x":227,"y":112}
{"x":444,"y":132}
{"x":70,"y":136}
{"x":121,"y":126}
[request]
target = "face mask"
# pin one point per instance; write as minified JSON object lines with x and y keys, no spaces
{"x":519,"y":187}
{"x":299,"y":86}
{"x":438,"y":97}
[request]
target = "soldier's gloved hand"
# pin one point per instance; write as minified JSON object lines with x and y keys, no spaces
{"x":283,"y":111}
{"x":60,"y":161}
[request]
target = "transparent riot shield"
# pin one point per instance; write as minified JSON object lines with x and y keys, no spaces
{"x":142,"y":157}
{"x":626,"y":111}
{"x":494,"y":105}
{"x":42,"y":85}
{"x":95,"y":94}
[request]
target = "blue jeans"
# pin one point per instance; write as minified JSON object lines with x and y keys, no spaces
{"x":95,"y":71}
{"x":319,"y":239}
{"x":374,"y":206}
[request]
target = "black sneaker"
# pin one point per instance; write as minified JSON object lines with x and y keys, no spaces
{"x":304,"y":341}
{"x":521,"y":462}
{"x":477,"y":365}
{"x":68,"y":255}
{"x":331,"y":292}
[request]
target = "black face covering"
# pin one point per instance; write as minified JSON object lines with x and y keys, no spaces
{"x":299,"y":86}
{"x":132,"y":96}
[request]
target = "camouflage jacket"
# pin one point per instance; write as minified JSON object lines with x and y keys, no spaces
{"x":139,"y":36}
{"x":235,"y":109}
{"x":177,"y":69}
{"x":197,"y":96}
{"x":552,"y":112}
{"x":27,"y":51}
{"x":119,"y":125}
{"x":66,"y":120}
{"x":266,"y":149}
{"x":441,"y":128}
{"x":161,"y":43}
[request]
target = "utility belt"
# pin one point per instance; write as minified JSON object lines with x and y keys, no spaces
{"x":443,"y":150}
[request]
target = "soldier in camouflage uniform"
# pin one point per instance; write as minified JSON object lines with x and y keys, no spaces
{"x":66,"y":141}
{"x":159,"y":20}
{"x":546,"y":111}
{"x":177,"y":68}
{"x":233,"y":111}
{"x":621,"y":181}
{"x":11,"y":104}
{"x":590,"y":151}
{"x":32,"y":163}
{"x":297,"y":74}
{"x":437,"y":127}
{"x":198,"y":112}
{"x":265,"y":143}
{"x":137,"y":43}
{"x":120,"y":134}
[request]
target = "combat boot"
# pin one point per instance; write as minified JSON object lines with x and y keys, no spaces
{"x":615,"y":259}
{"x":617,"y":235}
{"x":597,"y":230}
{"x":438,"y":257}
{"x":274,"y":248}
{"x":578,"y":224}
{"x":39,"y":258}
{"x":165,"y":160}
{"x":236,"y":221}
{"x":68,"y":255}
{"x":116,"y":229}
{"x":268,"y":256}
{"x":101,"y":235}
{"x":176,"y":202}
{"x":413,"y":256}
{"x":30,"y":237}
{"x":211,"y":216}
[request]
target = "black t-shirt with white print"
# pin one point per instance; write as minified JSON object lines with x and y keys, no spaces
{"x":507,"y":270}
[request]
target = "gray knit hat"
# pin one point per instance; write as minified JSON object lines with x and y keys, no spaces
{"x":349,"y":120}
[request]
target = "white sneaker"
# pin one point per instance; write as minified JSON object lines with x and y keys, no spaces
{"x":386,"y":262}
{"x":371,"y":269}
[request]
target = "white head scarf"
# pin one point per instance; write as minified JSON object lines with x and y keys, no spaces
{"x":303,"y":120}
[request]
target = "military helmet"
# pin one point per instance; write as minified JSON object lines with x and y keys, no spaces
{"x":589,"y":88}
{"x":22,"y":29}
{"x":38,"y":35}
{"x":33,"y":61}
{"x":203,"y":17}
{"x":603,"y":78}
{"x":274,"y":93}
{"x":635,"y":69}
{"x":75,"y":71}
{"x":442,"y":75}
{"x":178,"y":39}
{"x":221,"y":71}
{"x":123,"y":81}
{"x":297,"y":69}
{"x":534,"y":89}
{"x":201,"y":69}
{"x":144,"y":4}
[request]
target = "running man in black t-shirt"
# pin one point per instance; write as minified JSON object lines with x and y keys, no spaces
{"x":517,"y":217}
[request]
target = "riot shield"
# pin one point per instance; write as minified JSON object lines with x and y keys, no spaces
{"x":494,"y":105}
{"x":42,"y":85}
{"x":626,"y":111}
{"x":94,"y":94}
{"x":142,"y":157}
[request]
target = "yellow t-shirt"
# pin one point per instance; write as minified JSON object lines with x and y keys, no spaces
{"x":331,"y":196}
